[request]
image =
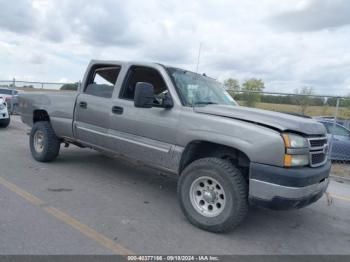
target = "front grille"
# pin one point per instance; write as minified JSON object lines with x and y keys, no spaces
{"x":318,"y":143}
{"x":317,"y":158}
{"x":318,"y":150}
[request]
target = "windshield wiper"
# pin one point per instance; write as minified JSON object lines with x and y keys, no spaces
{"x":204,"y":103}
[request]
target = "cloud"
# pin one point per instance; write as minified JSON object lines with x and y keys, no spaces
{"x":104,"y":23}
{"x":99,"y":23}
{"x":17,"y":16}
{"x":55,"y":39}
{"x":36,"y":58}
{"x":314,"y":15}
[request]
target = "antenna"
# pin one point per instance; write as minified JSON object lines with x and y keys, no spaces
{"x":199,"y":55}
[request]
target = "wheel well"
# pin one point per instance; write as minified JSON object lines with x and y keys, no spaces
{"x":40,"y":115}
{"x":201,"y":149}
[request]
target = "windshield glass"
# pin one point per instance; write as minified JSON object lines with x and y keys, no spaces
{"x":196,"y":89}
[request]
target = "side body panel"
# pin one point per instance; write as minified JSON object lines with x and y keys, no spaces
{"x":58,"y":105}
{"x":259,"y":143}
{"x":91,"y":121}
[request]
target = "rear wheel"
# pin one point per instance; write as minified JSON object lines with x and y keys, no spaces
{"x":213,"y":194}
{"x":44,"y":144}
{"x":5,"y":122}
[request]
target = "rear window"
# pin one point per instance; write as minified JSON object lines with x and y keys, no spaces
{"x":102,"y":81}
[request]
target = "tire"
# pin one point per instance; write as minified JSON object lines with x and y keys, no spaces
{"x":47,"y":147}
{"x":232,"y":196}
{"x":5,"y":122}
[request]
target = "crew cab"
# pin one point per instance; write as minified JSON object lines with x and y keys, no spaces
{"x":227,"y":156}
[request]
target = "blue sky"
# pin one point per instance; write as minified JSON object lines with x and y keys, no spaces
{"x":289,"y":44}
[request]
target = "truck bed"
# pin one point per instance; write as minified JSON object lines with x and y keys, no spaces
{"x":58,"y":105}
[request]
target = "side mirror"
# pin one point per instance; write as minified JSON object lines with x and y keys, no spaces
{"x":167,"y":101}
{"x":144,"y":95}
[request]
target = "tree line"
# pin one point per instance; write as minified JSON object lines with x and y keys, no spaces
{"x":302,"y":97}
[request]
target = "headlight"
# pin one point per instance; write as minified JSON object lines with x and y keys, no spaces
{"x":294,"y":141}
{"x":297,"y":150}
{"x":2,"y":106}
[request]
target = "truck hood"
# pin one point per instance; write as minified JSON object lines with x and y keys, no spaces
{"x":280,"y":121}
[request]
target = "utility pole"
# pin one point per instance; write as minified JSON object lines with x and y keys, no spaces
{"x":199,"y":55}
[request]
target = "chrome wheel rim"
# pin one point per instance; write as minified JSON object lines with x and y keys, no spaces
{"x":39,"y":141}
{"x":207,"y":196}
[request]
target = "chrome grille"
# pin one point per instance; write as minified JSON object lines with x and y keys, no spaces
{"x":318,"y":150}
{"x":318,"y":143}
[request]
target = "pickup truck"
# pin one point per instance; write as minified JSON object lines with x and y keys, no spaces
{"x":227,"y":156}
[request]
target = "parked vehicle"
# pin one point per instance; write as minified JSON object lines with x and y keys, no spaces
{"x":330,"y":118}
{"x":340,"y":139}
{"x":11,"y":98}
{"x":227,"y":156}
{"x":4,"y":115}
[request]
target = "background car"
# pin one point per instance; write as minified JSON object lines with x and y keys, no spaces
{"x":4,"y":115}
{"x":11,"y":98}
{"x":340,"y":139}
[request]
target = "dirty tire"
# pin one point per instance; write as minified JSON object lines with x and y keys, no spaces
{"x":234,"y":186}
{"x":50,"y":142}
{"x":5,"y":122}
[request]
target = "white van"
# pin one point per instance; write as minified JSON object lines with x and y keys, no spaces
{"x":4,"y":114}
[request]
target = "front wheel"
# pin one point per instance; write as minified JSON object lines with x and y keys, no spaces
{"x":213,"y":194}
{"x":44,"y":144}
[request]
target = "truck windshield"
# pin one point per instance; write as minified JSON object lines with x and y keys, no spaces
{"x":199,"y":90}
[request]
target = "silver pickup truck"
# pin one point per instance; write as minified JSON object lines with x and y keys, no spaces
{"x":227,"y":156}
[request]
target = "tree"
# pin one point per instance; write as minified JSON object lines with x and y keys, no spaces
{"x":252,"y":85}
{"x":72,"y":87}
{"x":303,"y":98}
{"x":232,"y":84}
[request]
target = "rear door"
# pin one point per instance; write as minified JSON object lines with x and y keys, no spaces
{"x":93,"y":104}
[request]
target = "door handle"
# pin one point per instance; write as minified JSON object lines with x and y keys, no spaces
{"x":117,"y":110}
{"x":83,"y":104}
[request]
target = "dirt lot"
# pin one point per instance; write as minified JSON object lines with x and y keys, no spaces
{"x":340,"y":169}
{"x":86,"y":203}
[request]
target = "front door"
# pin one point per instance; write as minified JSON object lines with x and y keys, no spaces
{"x":145,"y":134}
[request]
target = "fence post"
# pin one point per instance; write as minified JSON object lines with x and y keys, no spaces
{"x":12,"y":95}
{"x":334,"y":125}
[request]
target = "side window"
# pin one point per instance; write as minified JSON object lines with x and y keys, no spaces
{"x":102,"y":80}
{"x":339,"y":131}
{"x":143,"y":74}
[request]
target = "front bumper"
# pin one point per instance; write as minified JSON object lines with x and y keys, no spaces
{"x":287,"y":188}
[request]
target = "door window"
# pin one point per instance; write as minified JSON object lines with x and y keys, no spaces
{"x":144,"y":74}
{"x":336,"y":130}
{"x":102,"y":81}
